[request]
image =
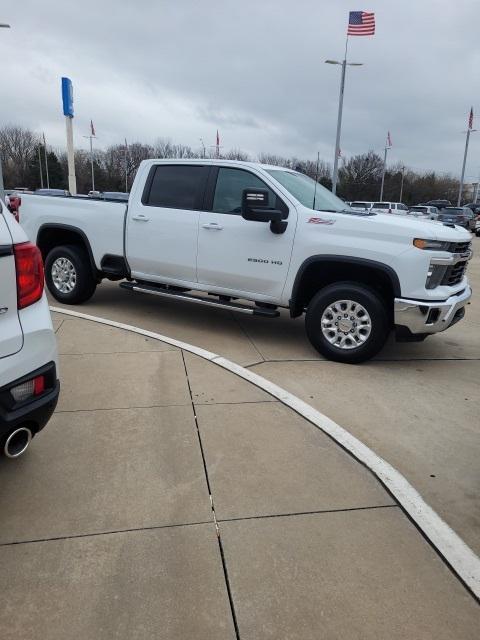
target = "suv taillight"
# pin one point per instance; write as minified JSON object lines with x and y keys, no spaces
{"x":30,"y":276}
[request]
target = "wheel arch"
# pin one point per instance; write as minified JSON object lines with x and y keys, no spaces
{"x":319,"y":271}
{"x":54,"y":235}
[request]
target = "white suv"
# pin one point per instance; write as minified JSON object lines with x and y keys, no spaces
{"x":389,"y":207}
{"x":29,"y":385}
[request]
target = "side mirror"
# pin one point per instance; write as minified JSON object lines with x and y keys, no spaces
{"x":255,"y":207}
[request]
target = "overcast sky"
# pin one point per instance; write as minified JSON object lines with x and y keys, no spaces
{"x":254,"y":69}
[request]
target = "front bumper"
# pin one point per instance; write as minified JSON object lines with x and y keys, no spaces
{"x":420,"y":317}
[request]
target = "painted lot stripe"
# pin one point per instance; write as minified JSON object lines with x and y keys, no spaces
{"x":464,"y":562}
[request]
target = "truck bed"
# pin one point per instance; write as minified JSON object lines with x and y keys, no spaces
{"x":101,"y":221}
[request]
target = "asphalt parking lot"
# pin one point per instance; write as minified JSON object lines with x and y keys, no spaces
{"x":416,"y":405}
{"x":169,"y":498}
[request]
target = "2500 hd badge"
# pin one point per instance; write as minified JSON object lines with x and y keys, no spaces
{"x":278,"y":262}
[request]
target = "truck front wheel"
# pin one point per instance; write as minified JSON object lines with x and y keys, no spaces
{"x":69,"y":275}
{"x":347,"y":322}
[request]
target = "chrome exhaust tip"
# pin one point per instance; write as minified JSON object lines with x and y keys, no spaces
{"x":17,"y":442}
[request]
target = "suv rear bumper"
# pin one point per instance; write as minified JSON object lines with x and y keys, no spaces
{"x":34,"y":413}
{"x":420,"y":317}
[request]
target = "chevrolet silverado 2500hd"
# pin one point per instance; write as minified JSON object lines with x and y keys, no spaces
{"x":256,"y":238}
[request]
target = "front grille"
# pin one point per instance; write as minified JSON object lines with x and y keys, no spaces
{"x":459,"y":247}
{"x":454,"y":274}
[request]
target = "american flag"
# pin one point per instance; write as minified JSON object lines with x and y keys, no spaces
{"x":389,"y":140}
{"x":92,"y":130}
{"x":361,"y":23}
{"x":470,"y":119}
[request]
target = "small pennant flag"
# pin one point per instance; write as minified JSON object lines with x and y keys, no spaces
{"x":92,"y":128}
{"x":470,"y":119}
{"x":361,"y":23}
{"x":218,"y":139}
{"x":44,"y":141}
{"x":389,"y":140}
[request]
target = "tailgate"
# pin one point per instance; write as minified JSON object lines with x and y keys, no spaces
{"x":11,"y":336}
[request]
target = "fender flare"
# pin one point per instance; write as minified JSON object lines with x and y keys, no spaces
{"x":319,"y":259}
{"x":66,"y":227}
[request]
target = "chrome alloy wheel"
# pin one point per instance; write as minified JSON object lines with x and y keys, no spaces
{"x":64,"y":276}
{"x":346,"y":324}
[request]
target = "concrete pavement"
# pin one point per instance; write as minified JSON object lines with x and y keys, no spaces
{"x":416,"y":405}
{"x":108,"y":531}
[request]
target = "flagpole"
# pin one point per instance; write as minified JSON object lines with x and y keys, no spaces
{"x":40,"y":165}
{"x":126,"y":166}
{"x":460,"y":189}
{"x":383,"y":173}
{"x":46,"y":162}
{"x":91,"y":162}
{"x":401,"y":184}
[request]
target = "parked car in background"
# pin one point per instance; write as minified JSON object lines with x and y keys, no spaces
{"x":52,"y":192}
{"x":361,"y":206}
{"x":115,"y":195}
{"x":29,"y":386}
{"x":389,"y":207}
{"x":477,"y":227}
{"x":440,"y":204}
{"x":454,"y":215}
{"x":424,"y":211}
{"x":94,"y":194}
{"x":475,"y":207}
{"x":471,"y":218}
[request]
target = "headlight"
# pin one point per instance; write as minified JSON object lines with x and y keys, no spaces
{"x":434,"y":245}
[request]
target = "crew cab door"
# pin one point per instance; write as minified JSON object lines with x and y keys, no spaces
{"x":162,"y":224}
{"x":11,"y":335}
{"x":236,"y":254}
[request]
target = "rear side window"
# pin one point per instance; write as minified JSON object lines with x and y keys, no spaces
{"x":176,"y":187}
{"x":381,"y":205}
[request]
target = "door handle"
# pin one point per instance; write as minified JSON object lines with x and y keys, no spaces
{"x":140,"y":218}
{"x":214,"y":226}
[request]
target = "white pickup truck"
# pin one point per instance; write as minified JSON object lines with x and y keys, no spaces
{"x":256,"y":238}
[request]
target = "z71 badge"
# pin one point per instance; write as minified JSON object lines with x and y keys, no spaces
{"x":321,"y":221}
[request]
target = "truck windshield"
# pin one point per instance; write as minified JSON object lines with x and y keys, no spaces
{"x":303,"y":189}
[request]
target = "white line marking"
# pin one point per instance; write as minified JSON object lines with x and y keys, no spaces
{"x":459,"y":556}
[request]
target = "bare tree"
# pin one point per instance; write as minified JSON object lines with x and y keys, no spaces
{"x":17,"y":147}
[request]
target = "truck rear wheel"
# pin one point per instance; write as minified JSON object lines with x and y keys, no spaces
{"x":68,"y":274}
{"x":347,"y":322}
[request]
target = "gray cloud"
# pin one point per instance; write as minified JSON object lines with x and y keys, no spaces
{"x":254,"y":70}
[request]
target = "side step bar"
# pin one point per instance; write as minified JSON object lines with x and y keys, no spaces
{"x":187,"y":297}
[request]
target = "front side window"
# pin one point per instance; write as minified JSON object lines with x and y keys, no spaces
{"x":229,"y":190}
{"x":402,"y":207}
{"x":177,"y":187}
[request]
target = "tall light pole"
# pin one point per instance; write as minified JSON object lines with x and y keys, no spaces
{"x":344,"y":64}
{"x":467,"y":140}
{"x":2,"y":189}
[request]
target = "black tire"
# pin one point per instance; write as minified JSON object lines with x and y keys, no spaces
{"x":85,"y":283}
{"x":368,"y":344}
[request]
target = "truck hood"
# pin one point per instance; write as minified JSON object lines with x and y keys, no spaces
{"x":421,"y":228}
